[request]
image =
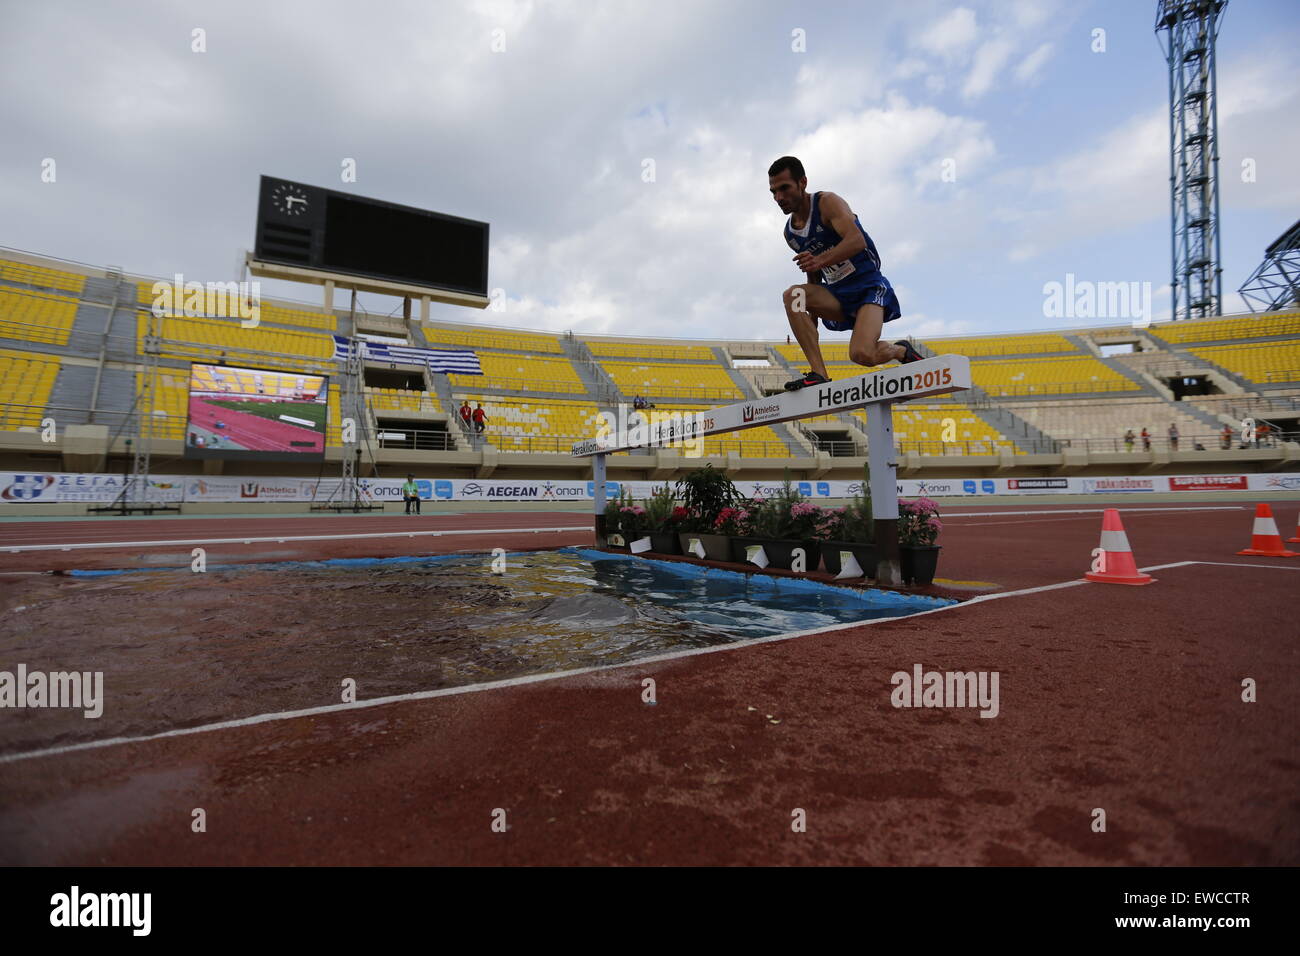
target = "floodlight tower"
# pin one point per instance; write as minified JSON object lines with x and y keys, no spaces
{"x":1187,"y":30}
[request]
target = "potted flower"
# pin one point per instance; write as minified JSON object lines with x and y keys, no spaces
{"x":659,"y":513}
{"x":781,"y":525}
{"x":620,"y":521}
{"x":855,"y":534}
{"x":918,"y":528}
{"x":705,"y":493}
{"x":736,"y":524}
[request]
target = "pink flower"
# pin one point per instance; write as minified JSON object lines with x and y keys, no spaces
{"x":935,"y":524}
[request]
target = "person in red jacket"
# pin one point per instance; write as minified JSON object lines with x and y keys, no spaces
{"x":480,"y":417}
{"x":465,"y":413}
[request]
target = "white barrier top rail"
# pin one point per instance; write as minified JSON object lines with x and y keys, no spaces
{"x":933,"y":376}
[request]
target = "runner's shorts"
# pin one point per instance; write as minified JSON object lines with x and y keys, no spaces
{"x":853,"y":298}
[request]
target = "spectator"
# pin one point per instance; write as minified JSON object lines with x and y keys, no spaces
{"x":1128,"y":440}
{"x":411,"y":494}
{"x":465,"y":413}
{"x":1226,"y":438}
{"x":1261,"y":434}
{"x":1173,"y":436}
{"x":480,"y":417}
{"x":1146,"y":439}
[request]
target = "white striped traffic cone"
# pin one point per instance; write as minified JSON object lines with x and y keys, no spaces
{"x":1264,"y":539}
{"x":1115,"y":564}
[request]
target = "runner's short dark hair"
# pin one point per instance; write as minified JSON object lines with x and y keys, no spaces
{"x":787,"y":162}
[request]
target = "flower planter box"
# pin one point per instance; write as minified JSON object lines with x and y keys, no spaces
{"x":864,"y":553}
{"x":918,"y":564}
{"x":717,"y":547}
{"x":664,"y":542}
{"x":739,"y":544}
{"x":780,"y":554}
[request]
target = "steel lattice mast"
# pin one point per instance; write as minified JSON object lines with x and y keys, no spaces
{"x":1187,"y":30}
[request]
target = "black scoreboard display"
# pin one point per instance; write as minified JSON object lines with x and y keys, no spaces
{"x":301,"y":225}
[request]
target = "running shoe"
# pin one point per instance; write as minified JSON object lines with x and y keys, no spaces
{"x":809,"y":378}
{"x":910,"y":354}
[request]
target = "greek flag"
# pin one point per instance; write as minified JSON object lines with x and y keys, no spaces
{"x":453,"y":361}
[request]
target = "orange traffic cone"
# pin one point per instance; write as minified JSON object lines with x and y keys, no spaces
{"x":1264,"y":539}
{"x":1297,"y":531}
{"x":1114,"y":564}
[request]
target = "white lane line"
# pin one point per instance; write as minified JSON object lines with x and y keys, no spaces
{"x":177,"y":543}
{"x":554,"y":675}
{"x":1243,"y":564}
{"x":1084,"y":511}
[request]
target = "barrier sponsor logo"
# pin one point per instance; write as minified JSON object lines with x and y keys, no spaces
{"x":1208,"y":483}
{"x":248,"y":489}
{"x":27,"y":487}
{"x":424,"y":488}
{"x":757,"y":413}
{"x":443,"y":489}
{"x":824,"y":489}
{"x":805,"y":489}
{"x":1289,"y":482}
{"x":471,"y":490}
{"x":988,"y":487}
{"x":1118,"y":484}
{"x":968,"y":486}
{"x":1039,"y":484}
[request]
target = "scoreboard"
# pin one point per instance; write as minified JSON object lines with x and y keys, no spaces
{"x":315,"y":228}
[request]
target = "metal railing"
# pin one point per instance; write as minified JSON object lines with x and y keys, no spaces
{"x":1207,"y":442}
{"x":1062,"y":388}
{"x":415,"y":439}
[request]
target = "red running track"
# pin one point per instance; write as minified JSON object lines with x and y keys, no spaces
{"x":1127,"y":699}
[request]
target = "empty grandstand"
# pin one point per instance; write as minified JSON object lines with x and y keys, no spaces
{"x":76,"y":339}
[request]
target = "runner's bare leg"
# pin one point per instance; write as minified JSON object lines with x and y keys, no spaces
{"x":804,"y":325}
{"x":865,"y":347}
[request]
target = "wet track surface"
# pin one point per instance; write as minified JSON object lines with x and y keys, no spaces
{"x":1127,"y":699}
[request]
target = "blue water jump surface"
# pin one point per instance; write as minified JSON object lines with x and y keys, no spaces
{"x":572,"y":592}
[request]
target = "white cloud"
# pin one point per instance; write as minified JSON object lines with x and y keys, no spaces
{"x":989,"y":59}
{"x":952,"y":35}
{"x":1030,"y":65}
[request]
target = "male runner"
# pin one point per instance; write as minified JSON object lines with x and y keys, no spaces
{"x":849,"y":293}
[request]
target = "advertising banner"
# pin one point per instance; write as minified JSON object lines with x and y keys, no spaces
{"x":19,"y":488}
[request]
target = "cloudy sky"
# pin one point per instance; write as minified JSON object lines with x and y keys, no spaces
{"x":539,"y":117}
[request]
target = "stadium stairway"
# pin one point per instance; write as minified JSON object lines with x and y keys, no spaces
{"x":1245,"y":384}
{"x":1002,"y":420}
{"x":116,"y":395}
{"x":600,"y":386}
{"x":73,"y":393}
{"x":460,"y":435}
{"x":795,"y":441}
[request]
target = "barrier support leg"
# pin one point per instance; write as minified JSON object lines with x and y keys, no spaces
{"x":598,"y":492}
{"x":884,"y":492}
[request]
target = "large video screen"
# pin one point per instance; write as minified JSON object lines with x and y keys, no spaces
{"x":256,"y":414}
